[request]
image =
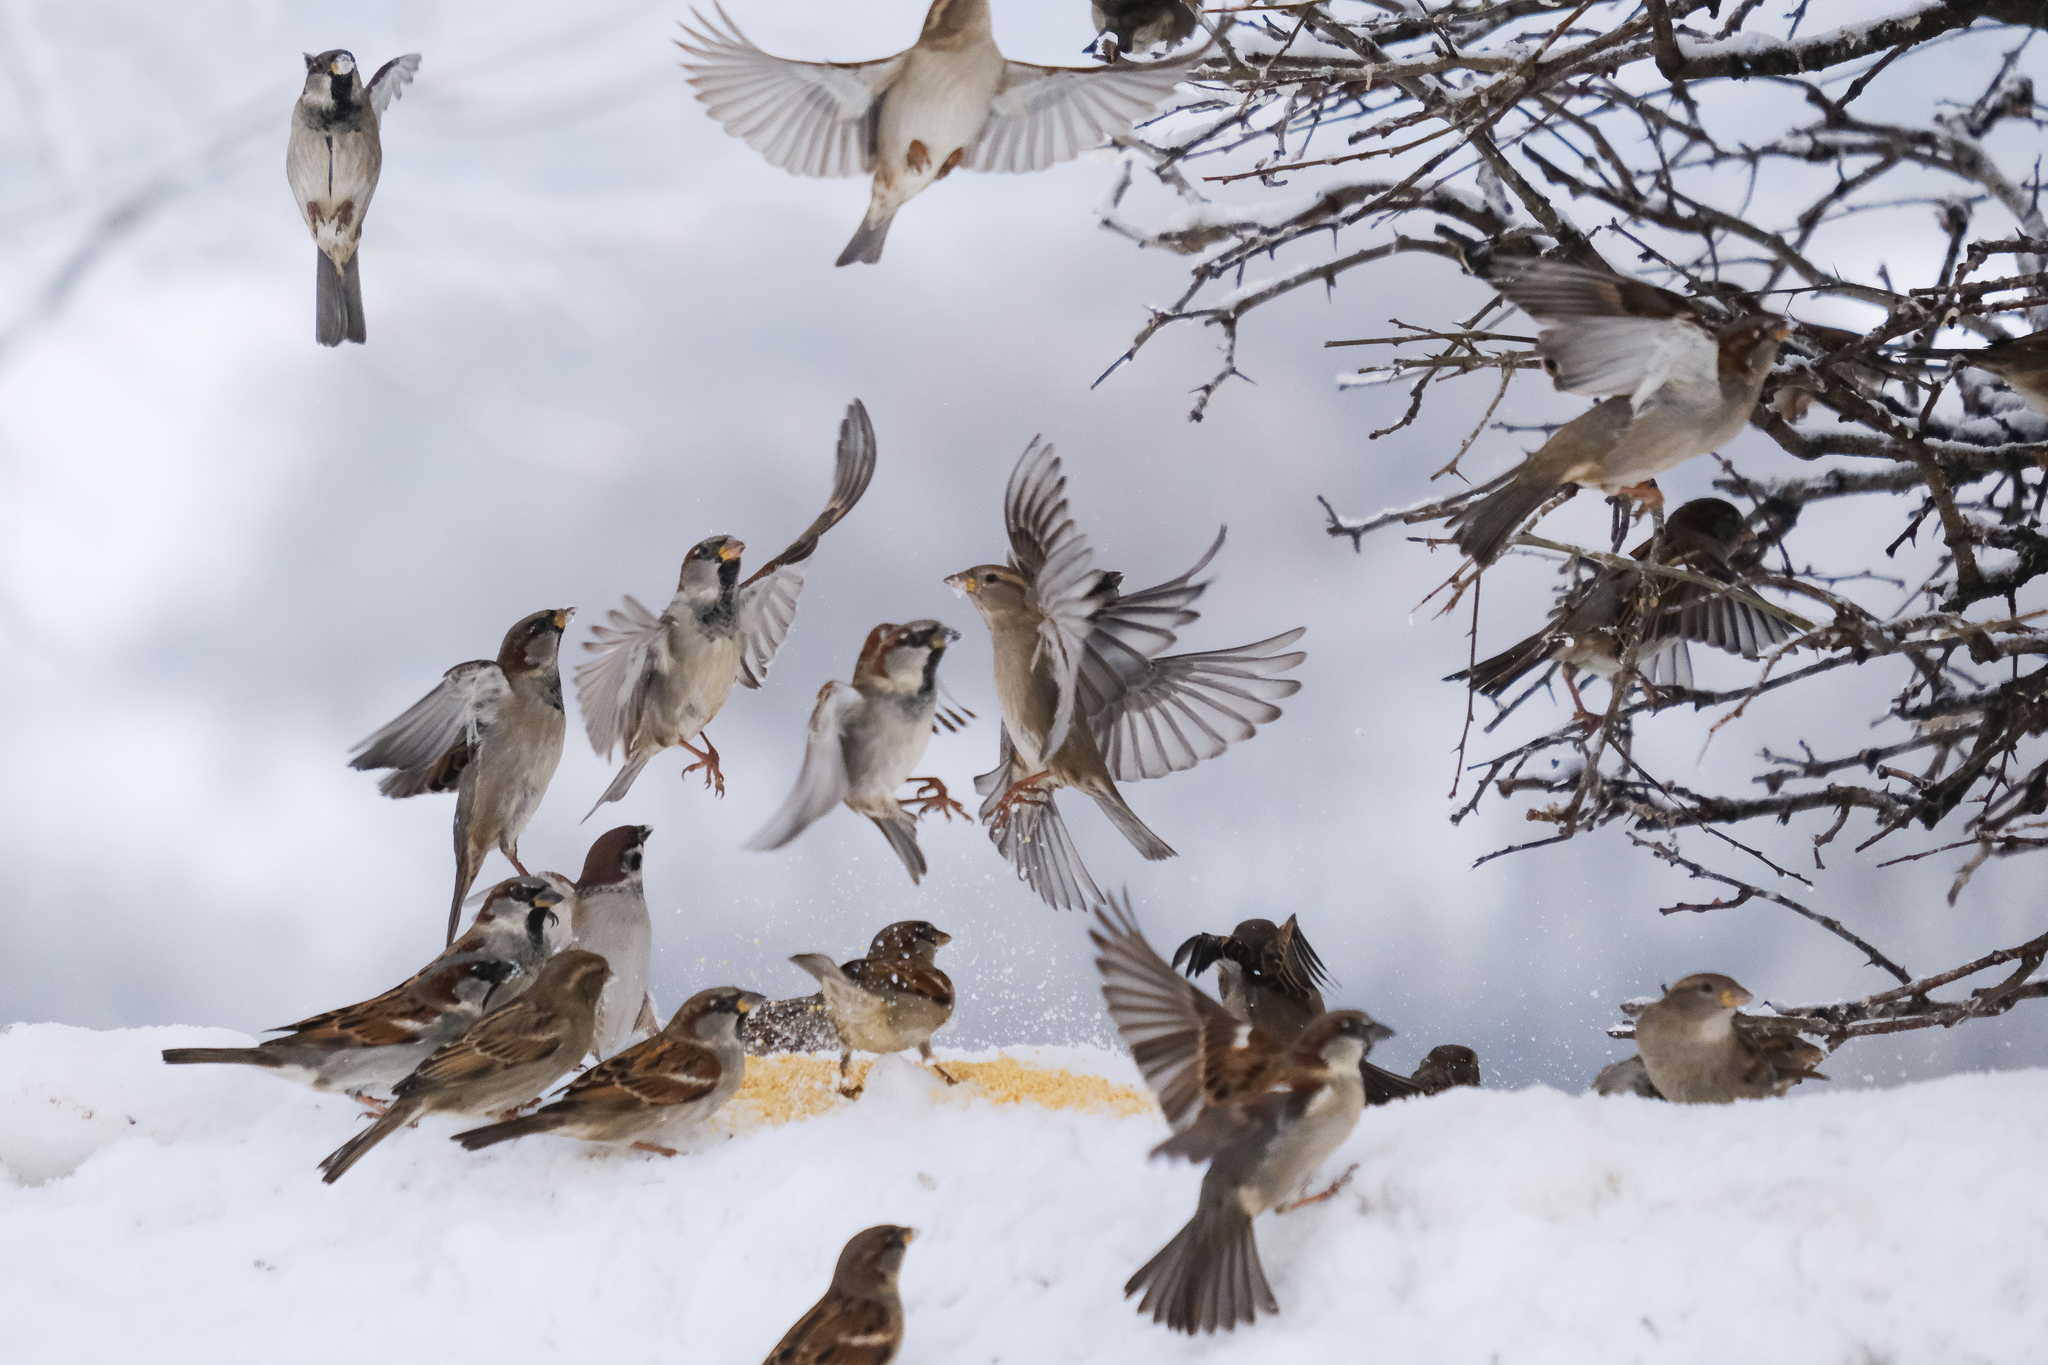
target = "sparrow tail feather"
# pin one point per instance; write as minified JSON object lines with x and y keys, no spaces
{"x":623,"y":783}
{"x":248,"y":1056}
{"x":1484,"y":529}
{"x":338,"y":301}
{"x":1208,"y":1277}
{"x":476,"y":1139}
{"x":866,"y":246}
{"x":902,"y":836}
{"x":1149,"y":845}
{"x":356,"y":1148}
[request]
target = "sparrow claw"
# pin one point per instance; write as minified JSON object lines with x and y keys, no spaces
{"x":948,"y":1079}
{"x":650,"y":1147}
{"x":376,"y":1109}
{"x":707,"y":759}
{"x":931,"y":798}
{"x":1336,"y":1186}
{"x":1026,"y":790}
{"x":851,"y":1092}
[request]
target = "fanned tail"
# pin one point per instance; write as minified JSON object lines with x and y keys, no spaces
{"x":1037,"y":844}
{"x":1208,"y":1277}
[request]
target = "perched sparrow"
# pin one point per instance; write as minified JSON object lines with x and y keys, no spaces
{"x":1684,"y":385}
{"x":1129,"y":26}
{"x":1698,"y":1050}
{"x":658,"y":680}
{"x":952,"y":100}
{"x":654,"y":1092}
{"x":1447,"y":1066}
{"x":608,"y":916}
{"x":333,"y":161}
{"x":507,"y":1058}
{"x":893,"y":999}
{"x":1269,"y":974}
{"x":1589,"y":628}
{"x":372,"y":1046}
{"x":1626,"y":1077}
{"x":493,"y":733}
{"x":860,"y":1319}
{"x":2020,"y":361}
{"x":1086,"y":701}
{"x":866,"y":737}
{"x":796,"y":1025}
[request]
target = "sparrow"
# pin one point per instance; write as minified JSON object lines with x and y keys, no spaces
{"x":1086,"y":700}
{"x":1698,"y":1050}
{"x":658,"y":680}
{"x":1589,"y":630}
{"x":369,"y":1047}
{"x":506,"y":1059}
{"x":1269,"y":974}
{"x":1447,"y":1066}
{"x":608,"y":916}
{"x":892,"y":1000}
{"x":491,"y":731}
{"x":333,"y":160}
{"x":1126,"y":26}
{"x":1626,"y":1077}
{"x":1684,"y":384}
{"x":2020,"y":361}
{"x":653,"y":1093}
{"x":860,"y":1319}
{"x":795,"y":1025}
{"x":864,"y":739}
{"x":952,"y":100}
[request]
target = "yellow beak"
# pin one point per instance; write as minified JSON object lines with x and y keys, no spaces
{"x":731,"y":550}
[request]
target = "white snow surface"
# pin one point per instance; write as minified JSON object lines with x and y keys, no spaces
{"x":174,"y":1214}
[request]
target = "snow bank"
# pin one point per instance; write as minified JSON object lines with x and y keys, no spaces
{"x":172,"y":1215}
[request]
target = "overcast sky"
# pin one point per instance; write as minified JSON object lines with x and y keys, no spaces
{"x":600,"y":330}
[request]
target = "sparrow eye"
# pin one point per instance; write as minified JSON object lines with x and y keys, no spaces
{"x":988,"y":578}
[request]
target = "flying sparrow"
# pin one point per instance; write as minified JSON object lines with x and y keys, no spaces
{"x":1086,"y":700}
{"x":1127,"y":26}
{"x":507,"y":1058}
{"x":608,"y":916}
{"x":2020,"y":361}
{"x":1269,"y":974}
{"x":1685,"y":384}
{"x":658,"y":680}
{"x":866,"y":737}
{"x":1698,"y":1050}
{"x":860,"y":1319}
{"x":491,"y":731}
{"x":370,"y":1047}
{"x":1626,"y":1077}
{"x":333,"y":160}
{"x":1447,"y":1066}
{"x":892,"y":1000}
{"x":952,"y":100}
{"x":653,"y":1093}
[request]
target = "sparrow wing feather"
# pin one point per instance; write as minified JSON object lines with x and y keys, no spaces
{"x":822,"y":784}
{"x":391,"y":79}
{"x":1608,"y":334}
{"x":1050,"y":551}
{"x":1046,"y":114}
{"x":1186,"y":708}
{"x":457,"y":712}
{"x":656,"y":1074}
{"x":611,"y":689}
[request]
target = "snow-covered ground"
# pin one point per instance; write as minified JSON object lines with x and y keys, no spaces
{"x":151,"y":1213}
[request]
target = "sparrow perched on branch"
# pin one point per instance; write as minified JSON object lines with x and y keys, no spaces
{"x":507,"y":1058}
{"x":608,"y":916}
{"x":860,"y":1319}
{"x":1592,"y":627}
{"x":1127,"y":26}
{"x":333,"y":160}
{"x":864,"y":739}
{"x":1684,"y":384}
{"x":651,"y":1095}
{"x":1698,"y":1050}
{"x":1086,"y":700}
{"x":370,"y":1047}
{"x":659,"y":680}
{"x":1269,"y":974}
{"x":952,"y":100}
{"x":492,"y":731}
{"x":892,"y":1000}
{"x":2020,"y":361}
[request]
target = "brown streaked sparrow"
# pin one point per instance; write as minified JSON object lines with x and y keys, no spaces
{"x":2020,"y":361}
{"x":507,"y":1058}
{"x":864,"y":739}
{"x":1269,"y":974}
{"x":1698,"y":1050}
{"x":1126,"y":26}
{"x":1086,"y":700}
{"x":492,"y":731}
{"x":333,"y":160}
{"x":659,"y":680}
{"x":1447,"y":1066}
{"x":608,"y":916}
{"x":651,"y":1095}
{"x":1684,"y":384}
{"x":953,"y":100}
{"x":860,"y":1319}
{"x":892,"y":1000}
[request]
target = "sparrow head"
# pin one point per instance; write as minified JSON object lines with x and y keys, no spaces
{"x":1749,"y":346}
{"x":1713,"y":525}
{"x":528,"y":902}
{"x":574,"y":974}
{"x":1452,"y":1064}
{"x":715,"y":1015}
{"x":903,"y":658}
{"x":331,"y":75}
{"x":909,"y":938}
{"x":532,"y":644}
{"x":996,"y":590}
{"x":872,"y":1258}
{"x":712,"y":566}
{"x":1340,"y":1039}
{"x":1705,"y":994}
{"x":614,"y":858}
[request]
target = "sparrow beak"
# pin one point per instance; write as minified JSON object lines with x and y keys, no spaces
{"x":547,"y":897}
{"x":562,"y":617}
{"x":1378,"y":1032}
{"x":960,"y":582}
{"x":1782,"y":330}
{"x":1735,"y":998}
{"x":731,"y":550}
{"x":909,"y":1236}
{"x":940,"y":636}
{"x":944,"y":938}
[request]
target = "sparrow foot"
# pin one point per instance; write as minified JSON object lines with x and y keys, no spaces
{"x":707,"y":759}
{"x":944,"y":1076}
{"x":931,"y":798}
{"x":513,"y":858}
{"x":650,"y":1147}
{"x":375,"y":1109}
{"x":1029,"y":790}
{"x":851,"y":1092}
{"x":1336,"y":1186}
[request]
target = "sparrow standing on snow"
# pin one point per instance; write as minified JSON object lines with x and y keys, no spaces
{"x":1086,"y":701}
{"x":892,"y":1000}
{"x":1698,"y":1050}
{"x":1685,"y":384}
{"x":493,"y":732}
{"x":507,"y":1058}
{"x":608,"y":916}
{"x":952,"y":100}
{"x":866,"y":737}
{"x":2020,"y":361}
{"x":1126,"y":26}
{"x":333,"y":160}
{"x":372,"y":1046}
{"x":860,"y":1319}
{"x":653,"y":1093}
{"x":1445,"y":1067}
{"x":658,"y":680}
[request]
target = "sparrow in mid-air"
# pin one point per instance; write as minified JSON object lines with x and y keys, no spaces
{"x":333,"y":160}
{"x":1127,"y":26}
{"x":507,"y":1058}
{"x":1269,"y":974}
{"x":2020,"y":361}
{"x":1684,"y":384}
{"x":860,"y":1319}
{"x":651,"y":1095}
{"x":367,"y":1048}
{"x":492,"y":732}
{"x":866,"y":736}
{"x":1698,"y":1050}
{"x":1086,"y":700}
{"x":657,"y":681}
{"x":892,"y":1000}
{"x":608,"y":916}
{"x":953,"y":100}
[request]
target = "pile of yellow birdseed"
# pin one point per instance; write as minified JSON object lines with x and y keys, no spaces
{"x":792,"y":1086}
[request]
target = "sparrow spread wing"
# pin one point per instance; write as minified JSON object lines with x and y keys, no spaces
{"x":391,"y":79}
{"x":767,"y":601}
{"x":656,"y":1074}
{"x":1607,"y":334}
{"x":810,"y":118}
{"x":611,"y":688}
{"x":1044,"y":114}
{"x":422,"y":743}
{"x":1052,"y":554}
{"x":1299,"y":962}
{"x":1174,"y":712}
{"x":822,"y":784}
